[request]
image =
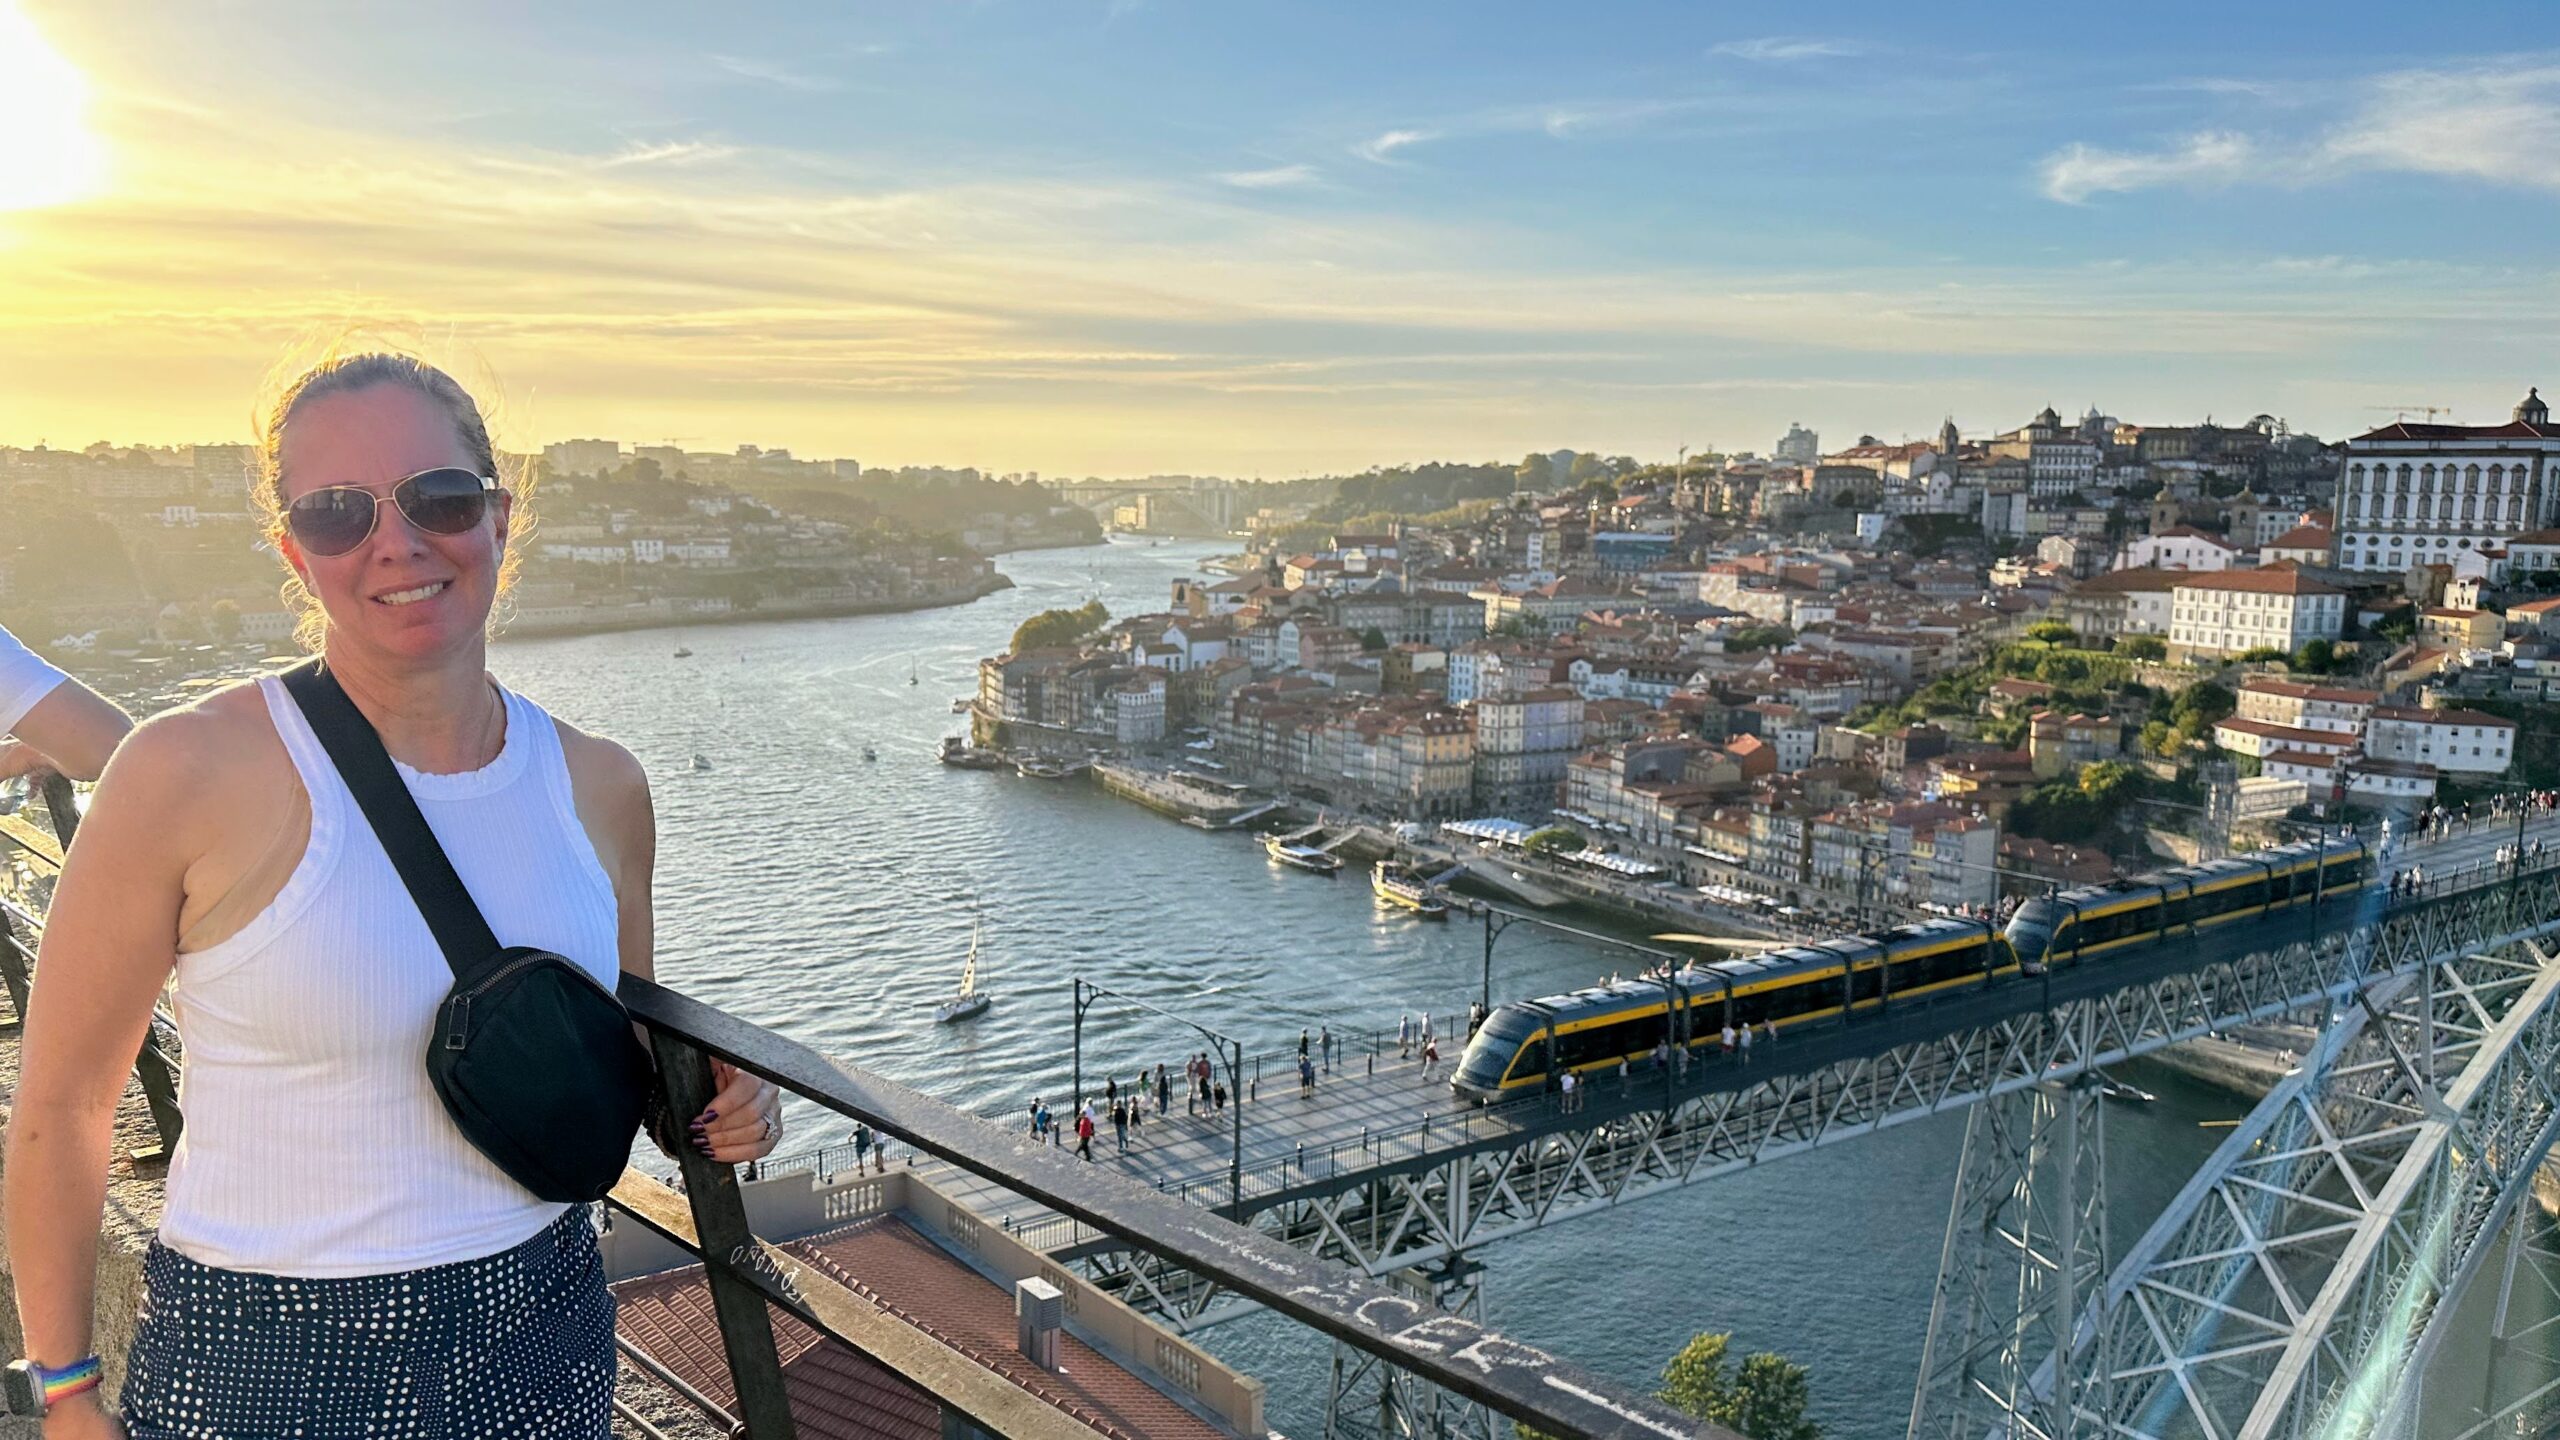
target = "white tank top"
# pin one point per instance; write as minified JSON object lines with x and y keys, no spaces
{"x":314,"y":1145}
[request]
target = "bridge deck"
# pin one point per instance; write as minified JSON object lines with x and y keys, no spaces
{"x":1375,"y":1113}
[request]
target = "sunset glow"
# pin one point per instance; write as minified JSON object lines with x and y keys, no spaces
{"x":50,"y":155}
{"x":1631,"y":230}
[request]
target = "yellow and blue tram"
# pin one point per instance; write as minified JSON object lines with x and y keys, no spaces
{"x":1525,"y":1045}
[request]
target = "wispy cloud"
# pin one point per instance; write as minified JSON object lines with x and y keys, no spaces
{"x":2076,"y":172}
{"x":1570,"y":118}
{"x":772,"y":74}
{"x":1784,"y":49}
{"x":2498,"y":124}
{"x":1277,"y":177}
{"x":1381,"y":149}
{"x":670,"y":152}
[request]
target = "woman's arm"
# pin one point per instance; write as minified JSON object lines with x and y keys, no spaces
{"x":109,"y":942}
{"x":74,"y":727}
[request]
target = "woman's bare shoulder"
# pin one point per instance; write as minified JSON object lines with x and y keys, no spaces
{"x":611,"y":785}
{"x":195,"y":774}
{"x":223,"y":732}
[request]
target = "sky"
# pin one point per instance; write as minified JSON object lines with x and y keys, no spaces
{"x":1260,"y":239}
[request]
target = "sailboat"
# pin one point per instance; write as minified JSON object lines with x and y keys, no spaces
{"x":911,"y":670}
{"x":969,"y":1002}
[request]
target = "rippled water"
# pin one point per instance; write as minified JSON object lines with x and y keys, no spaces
{"x":831,"y":899}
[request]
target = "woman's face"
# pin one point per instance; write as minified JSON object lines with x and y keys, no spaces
{"x":406,"y":593}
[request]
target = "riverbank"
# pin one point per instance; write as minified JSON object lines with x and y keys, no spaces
{"x":602,"y":621}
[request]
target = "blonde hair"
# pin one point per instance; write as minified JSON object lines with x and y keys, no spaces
{"x":343,"y":371}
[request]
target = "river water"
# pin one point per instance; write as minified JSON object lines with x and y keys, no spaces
{"x":832,"y":898}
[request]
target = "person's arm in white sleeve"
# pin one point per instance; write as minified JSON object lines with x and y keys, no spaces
{"x":61,"y":723}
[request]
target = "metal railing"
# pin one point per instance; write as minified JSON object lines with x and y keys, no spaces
{"x":36,"y":851}
{"x":746,"y":1275}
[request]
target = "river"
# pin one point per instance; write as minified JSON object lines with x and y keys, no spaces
{"x":832,"y":898}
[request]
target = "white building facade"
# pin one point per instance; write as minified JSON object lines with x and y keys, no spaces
{"x":2414,"y":494}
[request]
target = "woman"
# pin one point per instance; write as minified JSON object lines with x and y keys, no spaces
{"x":52,"y":721}
{"x":335,"y":1258}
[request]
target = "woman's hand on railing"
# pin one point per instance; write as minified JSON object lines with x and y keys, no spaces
{"x":744,"y":1121}
{"x":19,"y":759}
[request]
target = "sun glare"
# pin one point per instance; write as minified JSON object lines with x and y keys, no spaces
{"x":50,"y":155}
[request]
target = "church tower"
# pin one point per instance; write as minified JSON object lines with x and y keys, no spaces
{"x":2531,"y":410}
{"x":1948,"y":439}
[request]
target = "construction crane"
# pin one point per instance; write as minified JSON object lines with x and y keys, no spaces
{"x":2403,"y":411}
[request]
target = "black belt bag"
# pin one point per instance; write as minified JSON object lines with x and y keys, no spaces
{"x":534,"y":1060}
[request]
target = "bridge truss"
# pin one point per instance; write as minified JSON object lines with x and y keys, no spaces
{"x":1425,"y":1210}
{"x":2303,"y":1279}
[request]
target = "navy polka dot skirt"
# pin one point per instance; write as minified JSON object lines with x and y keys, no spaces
{"x":517,"y":1344}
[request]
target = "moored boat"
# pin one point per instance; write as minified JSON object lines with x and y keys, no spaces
{"x":1044,"y":768}
{"x":960,"y":754}
{"x":1300,"y":857}
{"x":1407,"y":891}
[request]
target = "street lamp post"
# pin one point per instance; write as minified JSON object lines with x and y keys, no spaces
{"x":1229,"y":1051}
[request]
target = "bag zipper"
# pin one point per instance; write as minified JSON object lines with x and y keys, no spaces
{"x":456,"y":1036}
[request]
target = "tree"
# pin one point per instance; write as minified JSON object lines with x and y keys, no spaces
{"x":2160,"y":738}
{"x":1694,"y":1381}
{"x":2265,"y":655}
{"x":1059,"y":627}
{"x":2052,"y":632}
{"x":1766,"y":1398}
{"x":2316,"y":657}
{"x":1769,"y":1397}
{"x":1748,"y":638}
{"x":2142,"y":647}
{"x":1373,"y":639}
{"x":224,"y":620}
{"x":1585,"y":469}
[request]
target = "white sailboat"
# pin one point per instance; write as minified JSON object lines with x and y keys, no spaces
{"x":970,"y":1001}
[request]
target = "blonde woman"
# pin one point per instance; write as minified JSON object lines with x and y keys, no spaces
{"x":335,"y":1257}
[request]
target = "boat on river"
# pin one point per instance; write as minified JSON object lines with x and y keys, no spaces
{"x":1041,"y":767}
{"x":1407,"y":891}
{"x":1300,"y":857}
{"x":968,"y":1002}
{"x":958,"y":753}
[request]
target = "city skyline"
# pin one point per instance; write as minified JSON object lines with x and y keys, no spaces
{"x":1123,"y":238}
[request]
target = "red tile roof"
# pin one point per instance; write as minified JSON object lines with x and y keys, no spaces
{"x":2512,"y":430}
{"x":2262,"y":582}
{"x":838,"y":1394}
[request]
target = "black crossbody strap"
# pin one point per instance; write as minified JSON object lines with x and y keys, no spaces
{"x":460,"y":929}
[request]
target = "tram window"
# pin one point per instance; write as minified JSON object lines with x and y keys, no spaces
{"x":1630,"y":1036}
{"x":1865,"y":985}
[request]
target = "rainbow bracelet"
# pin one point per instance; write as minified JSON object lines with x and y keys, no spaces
{"x":60,"y":1385}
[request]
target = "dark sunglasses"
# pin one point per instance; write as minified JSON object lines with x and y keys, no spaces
{"x":337,"y":518}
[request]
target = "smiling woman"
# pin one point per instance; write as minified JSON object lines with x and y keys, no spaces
{"x":52,"y":156}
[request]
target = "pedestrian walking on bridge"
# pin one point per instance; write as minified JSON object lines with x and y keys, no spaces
{"x":1324,"y":1044}
{"x":1164,"y":1092}
{"x":1746,"y":1044}
{"x":1404,"y":1037}
{"x":1084,"y":1133}
{"x":1306,"y":1078}
{"x":1430,"y":1056}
